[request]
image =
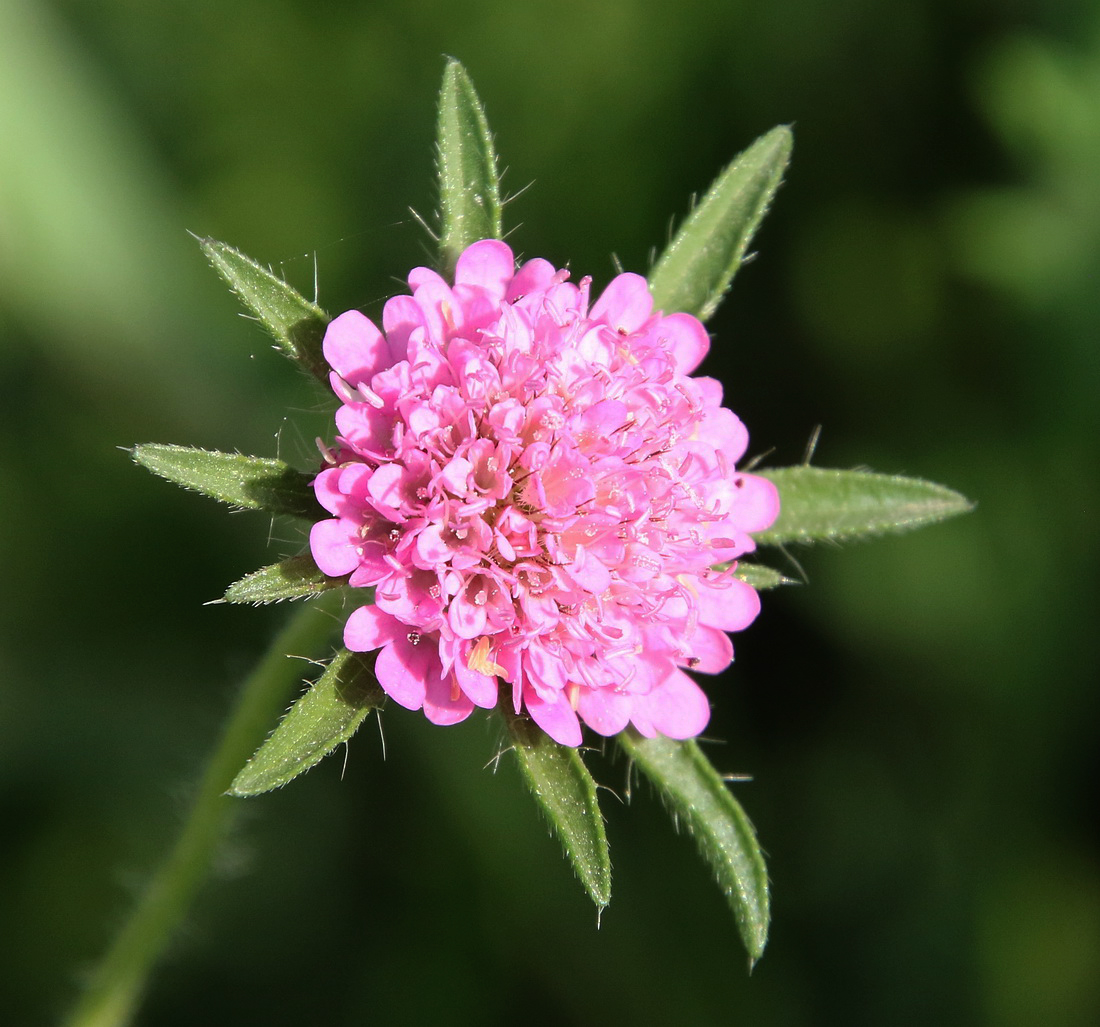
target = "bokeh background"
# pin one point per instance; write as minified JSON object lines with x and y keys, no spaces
{"x":919,"y":720}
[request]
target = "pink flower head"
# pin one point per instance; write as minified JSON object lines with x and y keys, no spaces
{"x":540,"y":496}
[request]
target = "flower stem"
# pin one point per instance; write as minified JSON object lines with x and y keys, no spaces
{"x":116,"y":985}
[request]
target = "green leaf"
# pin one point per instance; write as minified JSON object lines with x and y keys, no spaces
{"x":816,"y":504}
{"x":469,"y":187}
{"x":564,"y":789}
{"x":296,"y":324}
{"x":296,"y":578}
{"x":761,"y":577}
{"x":249,"y":482}
{"x":323,"y":718}
{"x":699,"y":798}
{"x":697,"y":267}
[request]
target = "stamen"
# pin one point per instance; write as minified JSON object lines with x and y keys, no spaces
{"x":481,"y":659}
{"x":371,"y":396}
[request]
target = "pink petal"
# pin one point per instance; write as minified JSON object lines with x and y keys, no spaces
{"x":385,"y":488}
{"x":546,"y":673}
{"x":677,"y":708}
{"x":405,"y":668}
{"x":710,"y":389}
{"x":722,"y":428}
{"x":535,"y":276}
{"x":368,"y":628}
{"x":757,"y":502}
{"x":444,"y":704}
{"x":489,"y":264}
{"x":333,"y":547}
{"x":686,"y":339}
{"x":731,"y":606}
{"x":366,"y":428}
{"x":625,"y":303}
{"x":562,"y":484}
{"x":556,"y":718}
{"x":712,"y":649}
{"x":482,"y":689}
{"x":421,"y":418}
{"x":355,"y":348}
{"x":604,"y":710}
{"x":436,"y":301}
{"x":400,"y":317}
{"x":431,"y":546}
{"x":601,"y":420}
{"x":456,"y":475}
{"x":589,"y":572}
{"x":408,"y":597}
{"x":467,"y":619}
{"x":326,"y":486}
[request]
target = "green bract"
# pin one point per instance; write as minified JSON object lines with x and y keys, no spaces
{"x":248,"y":482}
{"x":697,"y":797}
{"x":818,"y":504}
{"x":696,"y":268}
{"x":469,"y":186}
{"x":295,"y":578}
{"x":326,"y":716}
{"x":566,"y":793}
{"x":297,"y":325}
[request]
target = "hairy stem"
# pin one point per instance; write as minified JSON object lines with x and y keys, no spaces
{"x":116,"y":985}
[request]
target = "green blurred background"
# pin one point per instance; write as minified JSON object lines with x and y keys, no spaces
{"x":919,"y":720}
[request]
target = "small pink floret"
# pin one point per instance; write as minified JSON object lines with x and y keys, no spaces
{"x":540,"y":496}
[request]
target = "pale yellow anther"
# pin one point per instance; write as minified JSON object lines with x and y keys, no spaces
{"x":481,"y":661}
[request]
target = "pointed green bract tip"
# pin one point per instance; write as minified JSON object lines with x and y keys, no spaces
{"x":698,"y":798}
{"x":323,"y":718}
{"x":821,"y":504}
{"x":761,"y":577}
{"x":469,"y":183}
{"x":247,"y":482}
{"x":566,"y":793}
{"x":298,"y":577}
{"x":296,"y":324}
{"x":696,"y":269}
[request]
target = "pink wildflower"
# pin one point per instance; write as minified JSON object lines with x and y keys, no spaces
{"x":539,"y":495}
